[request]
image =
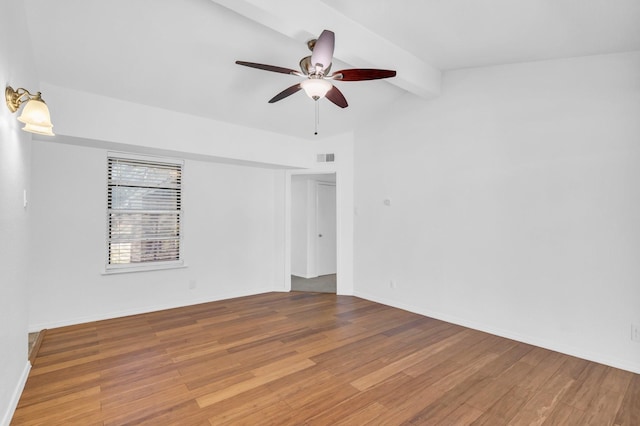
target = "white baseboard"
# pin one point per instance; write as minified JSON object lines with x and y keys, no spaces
{"x":15,"y":396}
{"x":36,"y":327}
{"x":553,"y":346}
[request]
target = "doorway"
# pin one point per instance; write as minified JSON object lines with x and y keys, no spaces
{"x":313,"y":233}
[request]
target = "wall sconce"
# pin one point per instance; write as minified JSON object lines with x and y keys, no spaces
{"x":35,"y":114}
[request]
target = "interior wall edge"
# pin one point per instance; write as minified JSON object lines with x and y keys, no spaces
{"x":36,"y":327}
{"x":15,"y":396}
{"x":530,"y":340}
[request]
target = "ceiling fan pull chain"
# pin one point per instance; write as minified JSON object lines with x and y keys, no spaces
{"x":317,"y":117}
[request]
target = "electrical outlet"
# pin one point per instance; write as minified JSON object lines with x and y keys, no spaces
{"x":192,"y":285}
{"x":635,"y":332}
{"x":392,"y":284}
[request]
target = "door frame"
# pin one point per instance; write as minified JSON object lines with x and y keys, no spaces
{"x":344,"y":228}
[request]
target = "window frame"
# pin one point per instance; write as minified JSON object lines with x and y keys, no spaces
{"x":149,"y":265}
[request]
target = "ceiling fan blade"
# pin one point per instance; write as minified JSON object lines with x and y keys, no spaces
{"x":359,"y":74}
{"x":286,"y":92}
{"x":323,"y":49}
{"x":269,"y":68}
{"x":336,"y":96}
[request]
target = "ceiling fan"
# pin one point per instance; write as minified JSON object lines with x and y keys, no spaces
{"x":316,"y":68}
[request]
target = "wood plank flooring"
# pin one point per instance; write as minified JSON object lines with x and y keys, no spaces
{"x":311,"y":358}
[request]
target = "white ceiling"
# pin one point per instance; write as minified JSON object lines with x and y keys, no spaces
{"x":179,"y":55}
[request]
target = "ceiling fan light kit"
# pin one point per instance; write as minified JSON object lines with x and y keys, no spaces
{"x":316,"y":88}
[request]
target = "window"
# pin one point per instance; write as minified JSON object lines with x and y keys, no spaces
{"x":144,"y":212}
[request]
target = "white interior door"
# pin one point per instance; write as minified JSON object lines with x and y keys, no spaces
{"x":326,"y":255}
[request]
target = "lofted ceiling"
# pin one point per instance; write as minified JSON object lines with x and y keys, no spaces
{"x":179,"y":55}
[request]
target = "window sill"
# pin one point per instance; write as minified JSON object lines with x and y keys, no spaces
{"x":110,"y":270}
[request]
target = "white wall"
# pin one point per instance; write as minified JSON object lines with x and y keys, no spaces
{"x":515,"y":200}
{"x":16,"y":70}
{"x":231,"y":239}
{"x":99,"y":118}
{"x":110,"y":123}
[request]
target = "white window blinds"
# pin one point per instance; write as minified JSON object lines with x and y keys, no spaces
{"x":144,"y":211}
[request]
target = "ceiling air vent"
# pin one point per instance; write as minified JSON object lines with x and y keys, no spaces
{"x":326,"y":158}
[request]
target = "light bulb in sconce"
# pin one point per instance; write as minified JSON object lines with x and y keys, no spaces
{"x":36,"y":118}
{"x":35,"y":114}
{"x":316,"y":88}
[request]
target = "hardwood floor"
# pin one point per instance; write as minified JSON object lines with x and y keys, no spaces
{"x":311,"y":358}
